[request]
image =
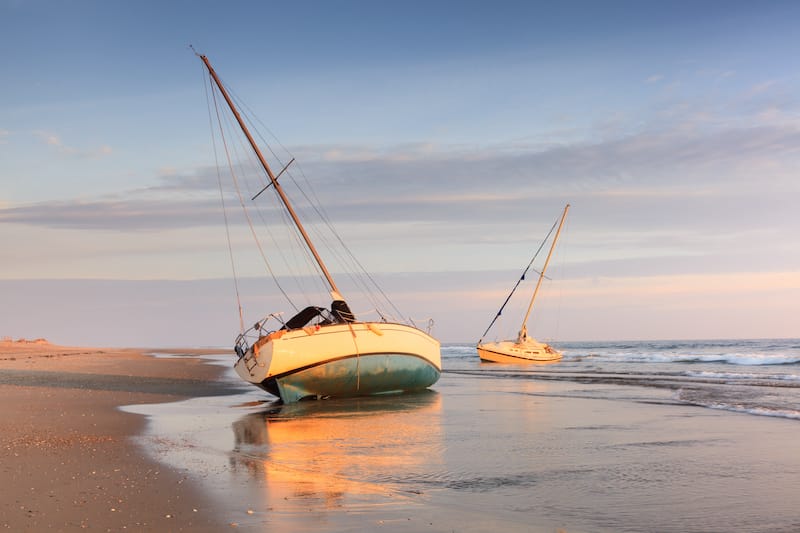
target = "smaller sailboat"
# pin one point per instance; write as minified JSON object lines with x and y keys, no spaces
{"x":524,"y":349}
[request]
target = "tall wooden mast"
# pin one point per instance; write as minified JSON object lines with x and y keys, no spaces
{"x":523,"y":332}
{"x":334,"y":291}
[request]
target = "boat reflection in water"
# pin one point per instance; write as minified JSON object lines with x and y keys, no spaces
{"x":348,"y":455}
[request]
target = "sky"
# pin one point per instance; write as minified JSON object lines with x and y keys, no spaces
{"x":442,"y":138}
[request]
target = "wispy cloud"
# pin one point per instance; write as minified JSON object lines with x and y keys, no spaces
{"x":114,"y":214}
{"x":694,"y":188}
{"x":762,"y":87}
{"x":499,"y":184}
{"x":55,"y":141}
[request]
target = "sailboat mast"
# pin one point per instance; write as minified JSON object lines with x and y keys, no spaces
{"x":524,"y":328}
{"x":273,"y":180}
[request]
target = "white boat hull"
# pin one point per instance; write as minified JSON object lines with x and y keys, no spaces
{"x":512,"y":352}
{"x":341,"y":360}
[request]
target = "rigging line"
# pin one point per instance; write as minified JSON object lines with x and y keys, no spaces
{"x":314,"y":203}
{"x":357,"y":277}
{"x":343,"y":251}
{"x":301,"y":254}
{"x":343,"y":257}
{"x":298,"y":280}
{"x":349,"y":257}
{"x":244,"y":208}
{"x":296,"y":237}
{"x":317,"y":207}
{"x":296,"y":255}
{"x":363,"y":271}
{"x":253,"y":119}
{"x":293,"y":232}
{"x":289,"y":228}
{"x":563,"y":258}
{"x":262,"y":159}
{"x":320,"y":210}
{"x":520,"y":280}
{"x":224,"y":212}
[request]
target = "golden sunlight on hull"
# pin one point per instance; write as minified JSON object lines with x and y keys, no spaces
{"x":341,"y":360}
{"x":512,"y":352}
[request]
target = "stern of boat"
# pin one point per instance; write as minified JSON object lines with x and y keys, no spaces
{"x":254,"y":360}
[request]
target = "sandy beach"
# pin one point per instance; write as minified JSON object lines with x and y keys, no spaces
{"x":543,"y":450}
{"x":68,"y":462}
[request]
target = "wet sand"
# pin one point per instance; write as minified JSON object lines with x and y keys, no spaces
{"x":489,"y":448}
{"x":68,"y":460}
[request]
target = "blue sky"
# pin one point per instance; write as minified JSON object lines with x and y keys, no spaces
{"x":443,"y":138}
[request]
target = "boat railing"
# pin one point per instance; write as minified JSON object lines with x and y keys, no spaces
{"x":383,"y":317}
{"x":309,"y":316}
{"x":265,"y":326}
{"x":428,"y":324}
{"x":274,"y":322}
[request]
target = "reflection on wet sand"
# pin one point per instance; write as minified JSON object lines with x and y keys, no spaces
{"x":342,"y":455}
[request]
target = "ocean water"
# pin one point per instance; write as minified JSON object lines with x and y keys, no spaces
{"x":755,"y":376}
{"x":618,"y":436}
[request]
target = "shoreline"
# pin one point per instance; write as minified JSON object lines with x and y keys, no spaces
{"x":70,"y":458}
{"x":489,"y":446}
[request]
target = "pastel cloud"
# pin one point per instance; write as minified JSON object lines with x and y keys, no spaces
{"x":55,"y":141}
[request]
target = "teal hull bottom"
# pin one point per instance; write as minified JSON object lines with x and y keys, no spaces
{"x":354,"y":376}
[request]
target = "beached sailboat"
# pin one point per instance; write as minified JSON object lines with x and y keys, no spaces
{"x":524,"y":349}
{"x":326,"y":351}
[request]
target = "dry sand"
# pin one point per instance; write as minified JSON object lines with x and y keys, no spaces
{"x":485,"y":450}
{"x":68,"y":462}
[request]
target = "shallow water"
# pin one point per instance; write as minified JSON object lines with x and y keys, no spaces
{"x":759,"y":377}
{"x":595,"y":443}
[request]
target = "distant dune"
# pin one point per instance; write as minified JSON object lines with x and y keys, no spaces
{"x":9,"y":340}
{"x":37,"y":347}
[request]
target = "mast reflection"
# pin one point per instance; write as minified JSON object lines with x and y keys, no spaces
{"x":340,"y":453}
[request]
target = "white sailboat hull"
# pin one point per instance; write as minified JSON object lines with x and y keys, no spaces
{"x":341,"y":360}
{"x":530,"y":351}
{"x":325,"y":352}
